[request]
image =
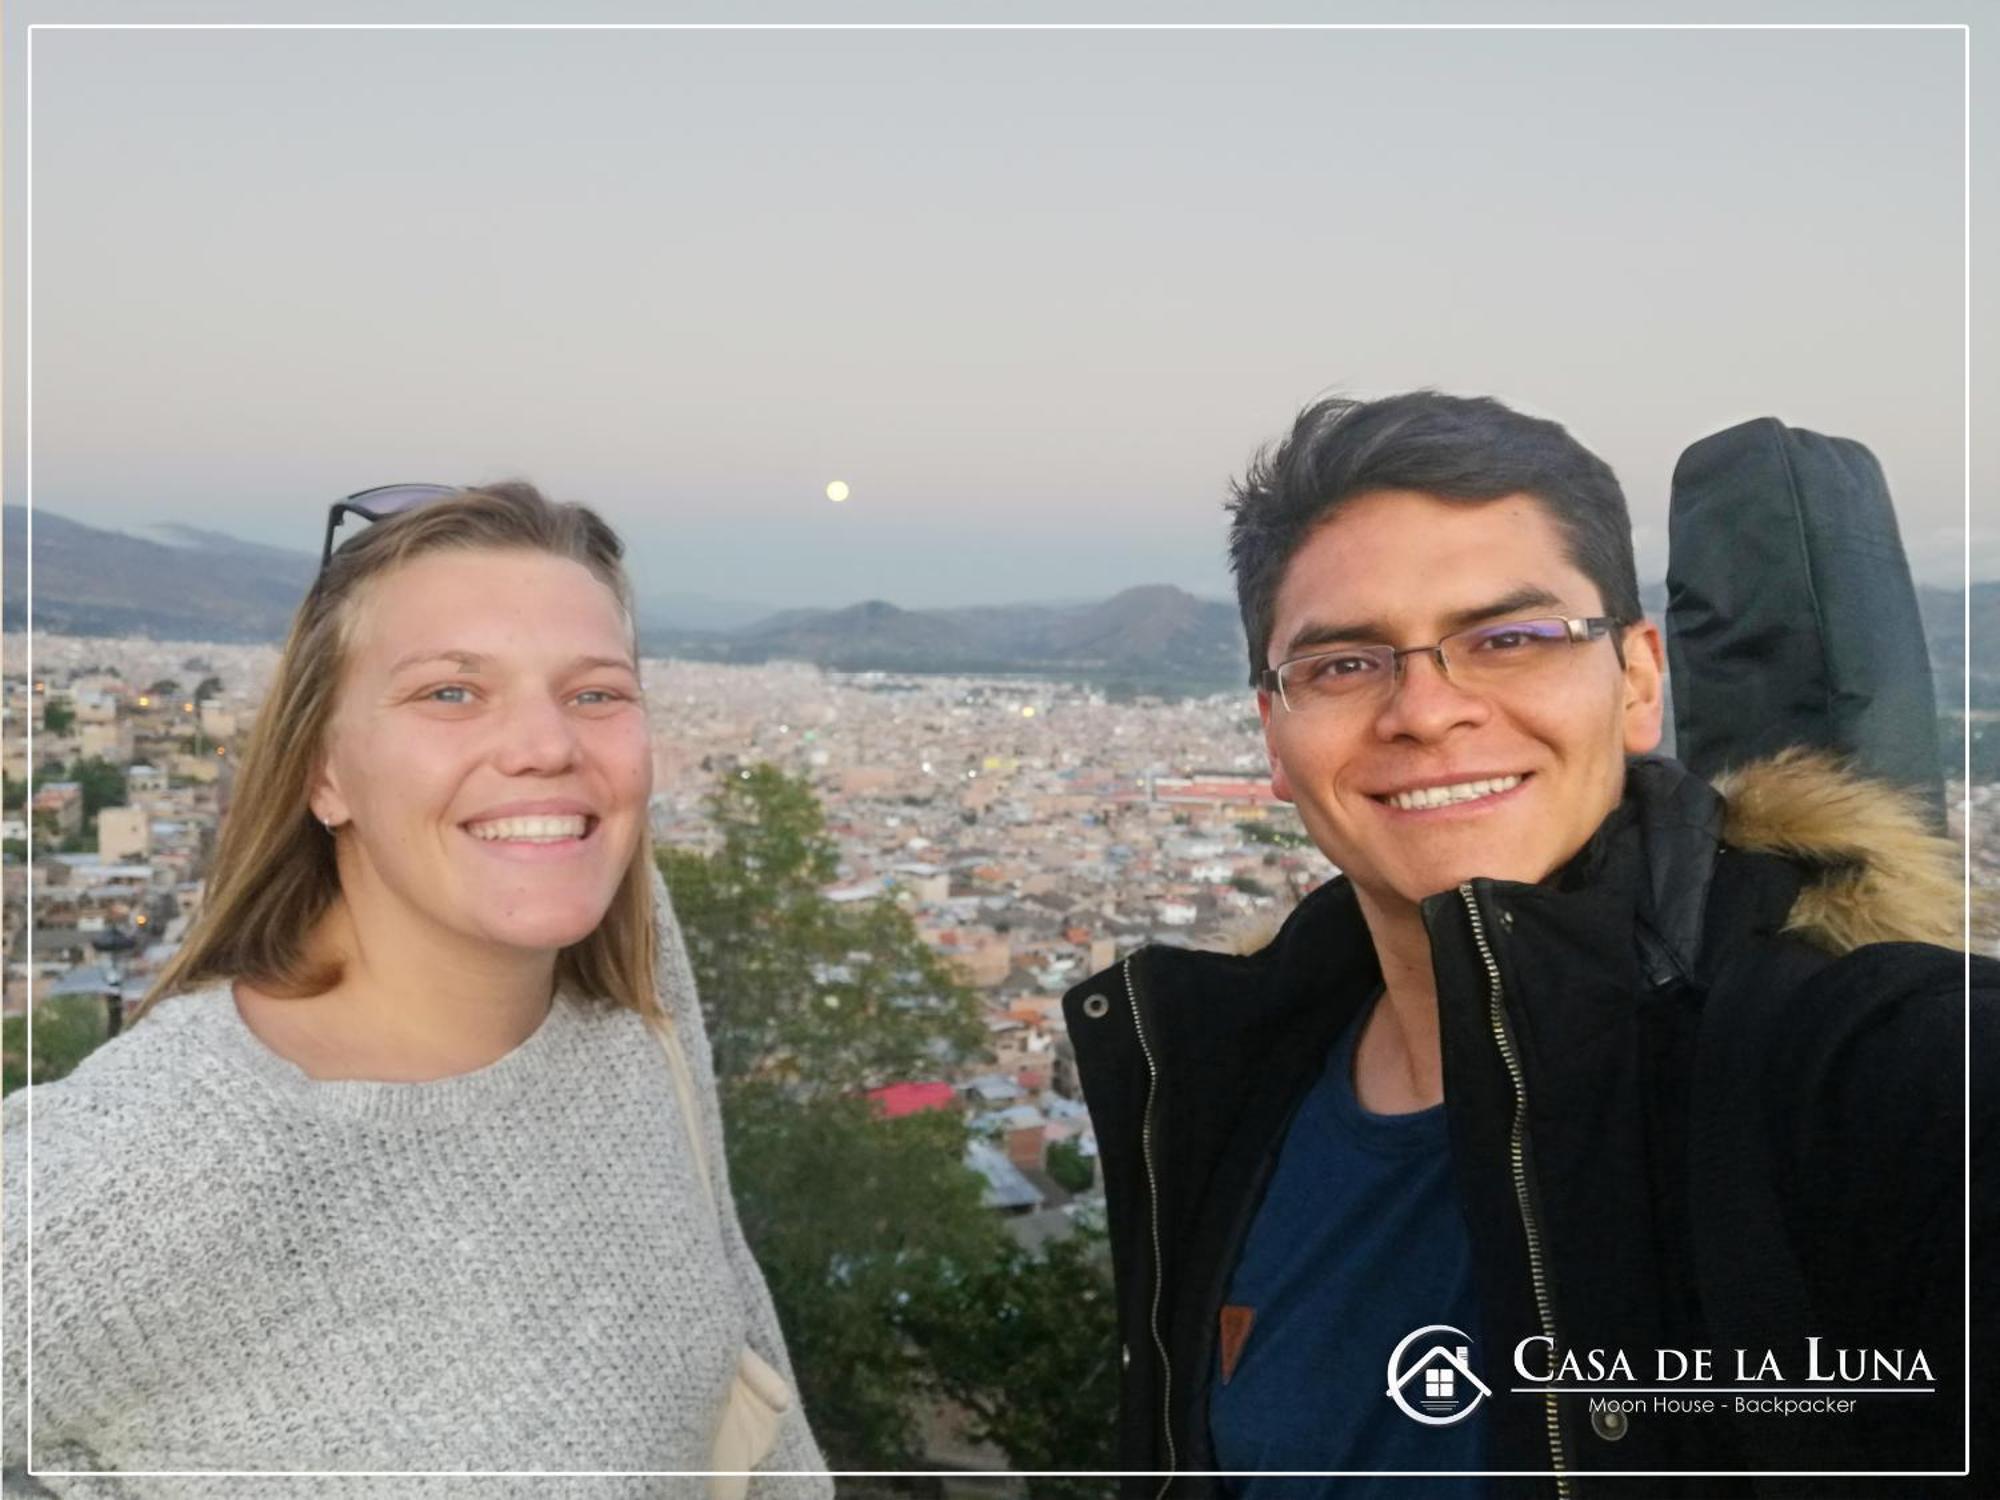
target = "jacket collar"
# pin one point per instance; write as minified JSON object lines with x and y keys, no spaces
{"x":1676,"y":819}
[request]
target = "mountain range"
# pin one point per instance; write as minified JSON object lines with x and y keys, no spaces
{"x":188,"y":583}
{"x":200,"y":586}
{"x":1152,"y":638}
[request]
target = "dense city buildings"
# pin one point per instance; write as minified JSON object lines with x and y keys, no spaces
{"x":1034,"y":830}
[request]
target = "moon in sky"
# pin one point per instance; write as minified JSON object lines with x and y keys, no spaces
{"x":837,"y":491}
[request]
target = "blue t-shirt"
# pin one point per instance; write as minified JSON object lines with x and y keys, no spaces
{"x":1360,"y":1242}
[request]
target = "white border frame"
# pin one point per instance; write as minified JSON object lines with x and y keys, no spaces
{"x":1965,"y":805}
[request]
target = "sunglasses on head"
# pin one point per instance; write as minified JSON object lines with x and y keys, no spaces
{"x":379,"y":504}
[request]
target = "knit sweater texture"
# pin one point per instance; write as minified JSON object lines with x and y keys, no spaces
{"x":515,"y":1270}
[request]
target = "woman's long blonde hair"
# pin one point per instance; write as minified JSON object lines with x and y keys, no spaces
{"x":274,"y":874}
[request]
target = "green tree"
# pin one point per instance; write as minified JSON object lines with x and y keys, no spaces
{"x":809,"y":1004}
{"x":1027,"y":1345}
{"x":58,"y":718}
{"x":1070,"y":1168}
{"x":894,"y":1285}
{"x":855,"y":1219}
{"x":166,"y":687}
{"x":102,"y":782}
{"x":16,"y":794}
{"x":67,"y":1029}
{"x":831,"y":999}
{"x":208,"y":687}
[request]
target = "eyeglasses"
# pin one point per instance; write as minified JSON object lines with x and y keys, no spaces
{"x":1509,"y":656}
{"x":377,"y":504}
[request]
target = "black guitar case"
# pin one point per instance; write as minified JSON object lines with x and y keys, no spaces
{"x":1791,"y":618}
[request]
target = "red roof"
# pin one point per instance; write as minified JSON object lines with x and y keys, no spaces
{"x":1217,"y":791}
{"x":900,"y":1099}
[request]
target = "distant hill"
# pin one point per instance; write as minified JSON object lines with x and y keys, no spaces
{"x":189,"y":583}
{"x":874,"y":634}
{"x":203,"y":585}
{"x":1154,"y":638}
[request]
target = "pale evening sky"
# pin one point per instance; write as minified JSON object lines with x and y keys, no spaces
{"x":1034,"y":295}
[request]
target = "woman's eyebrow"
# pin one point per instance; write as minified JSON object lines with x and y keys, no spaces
{"x":471,"y":661}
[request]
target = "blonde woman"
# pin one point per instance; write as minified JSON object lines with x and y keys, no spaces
{"x":412,"y":1161}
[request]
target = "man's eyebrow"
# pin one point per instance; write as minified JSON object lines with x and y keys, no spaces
{"x":1312,"y":633}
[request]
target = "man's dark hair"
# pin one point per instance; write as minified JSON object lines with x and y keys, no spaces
{"x":1455,"y":447}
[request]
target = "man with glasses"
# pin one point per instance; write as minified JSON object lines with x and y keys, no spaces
{"x":1579,"y":1059}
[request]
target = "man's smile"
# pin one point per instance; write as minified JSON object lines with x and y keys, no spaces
{"x":1468,"y":792}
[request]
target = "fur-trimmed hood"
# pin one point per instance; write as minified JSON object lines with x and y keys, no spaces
{"x":1878,"y":873}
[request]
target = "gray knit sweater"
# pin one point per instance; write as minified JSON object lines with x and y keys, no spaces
{"x":236,"y":1267}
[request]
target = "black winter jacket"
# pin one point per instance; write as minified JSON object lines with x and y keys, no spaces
{"x":1694,"y":1101}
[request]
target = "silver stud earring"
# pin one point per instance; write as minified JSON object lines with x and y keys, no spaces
{"x":327,"y":825}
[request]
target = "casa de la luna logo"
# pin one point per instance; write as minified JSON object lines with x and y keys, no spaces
{"x":1431,"y":1376}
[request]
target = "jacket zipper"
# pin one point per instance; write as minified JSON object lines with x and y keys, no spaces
{"x":1153,"y":1218}
{"x":1517,"y":1150}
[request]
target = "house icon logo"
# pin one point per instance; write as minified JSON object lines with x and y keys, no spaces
{"x":1431,"y":1379}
